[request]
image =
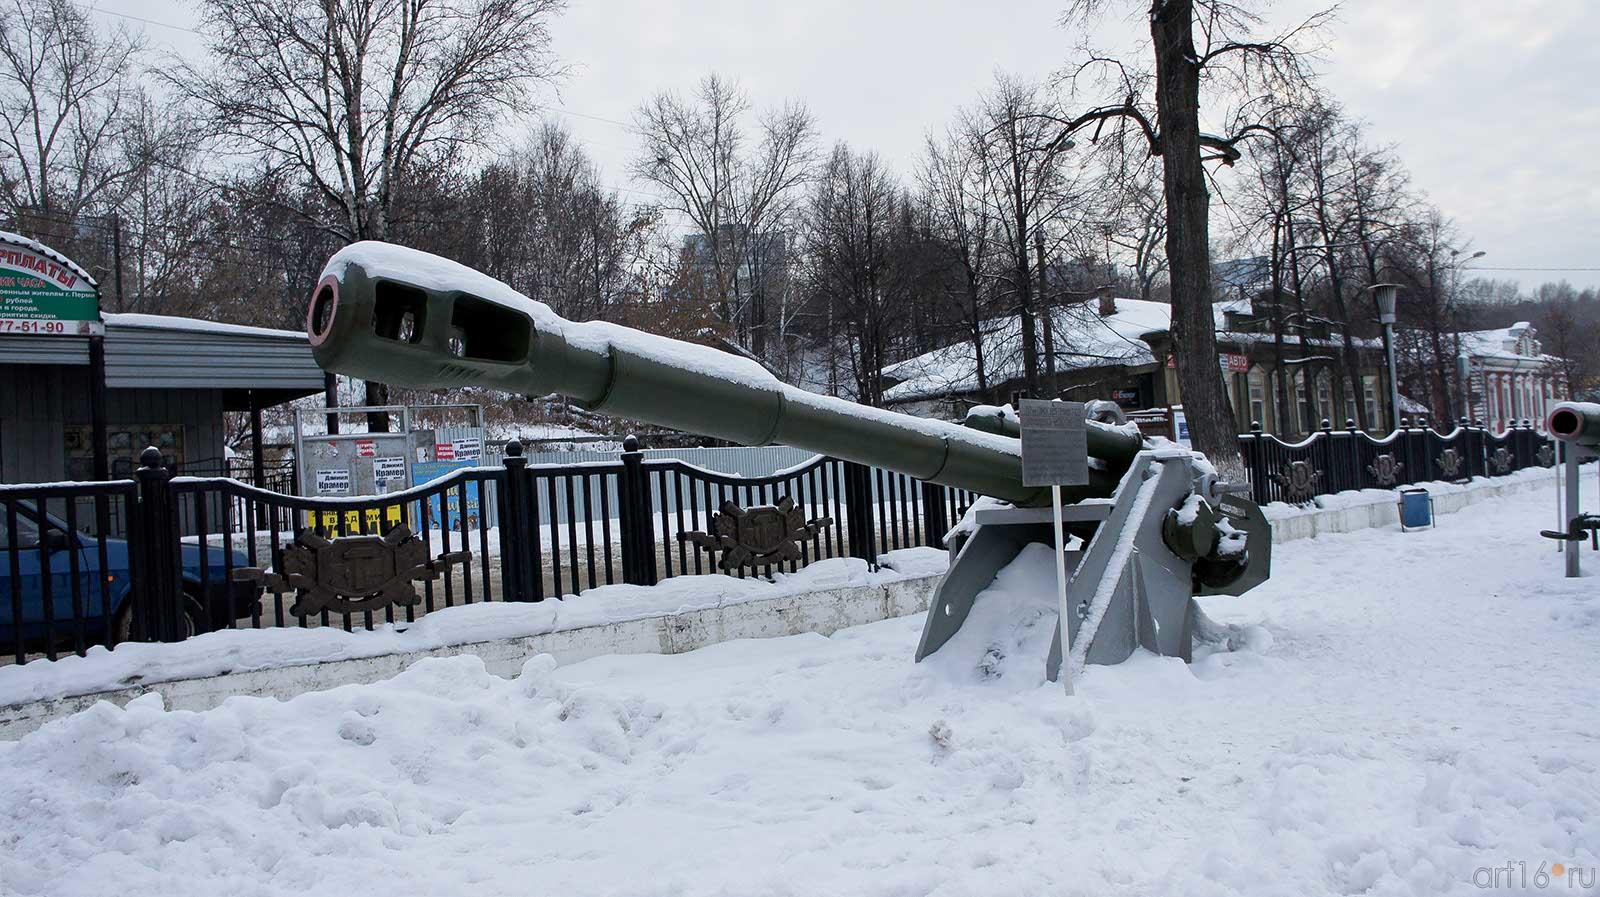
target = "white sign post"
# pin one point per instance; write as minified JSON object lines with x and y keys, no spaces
{"x":1055,"y":452}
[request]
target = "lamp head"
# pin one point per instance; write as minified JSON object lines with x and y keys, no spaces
{"x":1384,"y":295}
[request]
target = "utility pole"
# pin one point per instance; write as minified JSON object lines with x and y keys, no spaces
{"x":116,"y":260}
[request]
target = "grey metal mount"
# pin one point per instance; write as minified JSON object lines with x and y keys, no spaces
{"x":1126,"y":586}
{"x":1581,"y":527}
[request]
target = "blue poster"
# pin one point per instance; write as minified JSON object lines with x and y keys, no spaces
{"x":428,"y":471}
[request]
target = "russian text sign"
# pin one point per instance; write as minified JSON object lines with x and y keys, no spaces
{"x":1055,"y":443}
{"x":44,"y":295}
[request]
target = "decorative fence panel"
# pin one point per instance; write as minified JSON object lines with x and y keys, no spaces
{"x":1332,"y":460}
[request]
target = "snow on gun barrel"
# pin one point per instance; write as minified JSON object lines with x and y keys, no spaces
{"x":396,"y":315}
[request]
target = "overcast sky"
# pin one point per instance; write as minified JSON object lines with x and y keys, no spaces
{"x":1491,"y":103}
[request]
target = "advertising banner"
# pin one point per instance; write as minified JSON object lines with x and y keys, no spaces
{"x":41,"y":293}
{"x":451,"y":512}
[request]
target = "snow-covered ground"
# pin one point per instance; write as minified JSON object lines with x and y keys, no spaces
{"x":1406,"y":712}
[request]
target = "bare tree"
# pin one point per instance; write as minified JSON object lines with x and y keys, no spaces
{"x":952,"y":183}
{"x":1025,"y":186}
{"x":1571,"y":335}
{"x":1162,"y":106}
{"x":353,"y":95}
{"x":856,"y":260}
{"x":65,"y":95}
{"x":1136,"y":220}
{"x":697,"y":152}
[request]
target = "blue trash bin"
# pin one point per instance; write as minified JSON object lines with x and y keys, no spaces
{"x":1416,"y":509}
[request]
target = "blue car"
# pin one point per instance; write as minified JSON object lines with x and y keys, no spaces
{"x":106,"y":614}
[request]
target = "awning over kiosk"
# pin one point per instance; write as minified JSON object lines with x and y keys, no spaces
{"x":164,"y":375}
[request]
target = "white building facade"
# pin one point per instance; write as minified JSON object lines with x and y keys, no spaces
{"x":1511,"y":378}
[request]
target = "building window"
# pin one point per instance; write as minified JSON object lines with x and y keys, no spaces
{"x":1300,"y":401}
{"x":1369,"y":392}
{"x":1325,"y":408}
{"x":1258,"y":396}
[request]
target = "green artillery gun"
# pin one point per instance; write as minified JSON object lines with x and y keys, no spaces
{"x":386,"y":313}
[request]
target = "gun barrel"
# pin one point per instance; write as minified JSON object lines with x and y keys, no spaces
{"x":1577,"y":422}
{"x":387,"y":313}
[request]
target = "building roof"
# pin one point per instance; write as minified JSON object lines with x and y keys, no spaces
{"x":1514,"y":343}
{"x":1083,"y":339}
{"x":165,"y":352}
{"x":170,"y":323}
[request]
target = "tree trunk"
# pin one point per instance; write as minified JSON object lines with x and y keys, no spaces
{"x":376,"y":228}
{"x":1024,"y":284}
{"x":1205,"y":400}
{"x":1279,"y":386}
{"x":973,"y":299}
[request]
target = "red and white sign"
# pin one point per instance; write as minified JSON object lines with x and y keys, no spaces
{"x":444,"y":451}
{"x":366,"y":448}
{"x":1231,"y":362}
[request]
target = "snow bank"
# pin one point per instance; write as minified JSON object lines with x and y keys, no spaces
{"x":1415,"y":709}
{"x":241,"y":650}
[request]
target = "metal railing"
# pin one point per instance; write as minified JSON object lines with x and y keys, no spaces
{"x":158,"y":557}
{"x":1331,"y":460}
{"x":161,"y":557}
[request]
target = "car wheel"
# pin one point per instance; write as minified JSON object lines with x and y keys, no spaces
{"x":193,"y":619}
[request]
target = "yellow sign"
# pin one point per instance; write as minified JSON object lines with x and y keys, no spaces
{"x":372,"y":521}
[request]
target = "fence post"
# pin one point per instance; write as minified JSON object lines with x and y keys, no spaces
{"x":634,"y":519}
{"x":1331,"y":480}
{"x":1258,"y":465}
{"x":858,"y":512}
{"x":1403,"y":444}
{"x":157,"y":598}
{"x":516,"y":567}
{"x":935,"y":518}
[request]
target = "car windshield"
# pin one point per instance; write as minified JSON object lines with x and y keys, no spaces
{"x":27,"y":529}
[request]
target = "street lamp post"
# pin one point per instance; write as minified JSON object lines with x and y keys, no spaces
{"x":1384,"y":295}
{"x":1463,"y":363}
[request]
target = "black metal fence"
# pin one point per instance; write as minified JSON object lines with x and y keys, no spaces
{"x":1330,"y":460}
{"x":161,"y":557}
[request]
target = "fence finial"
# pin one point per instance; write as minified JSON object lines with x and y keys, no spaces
{"x":514,"y":448}
{"x":150,"y":457}
{"x":630,"y":443}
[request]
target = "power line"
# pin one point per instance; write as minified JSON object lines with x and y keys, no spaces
{"x":1489,"y":268}
{"x":133,"y":18}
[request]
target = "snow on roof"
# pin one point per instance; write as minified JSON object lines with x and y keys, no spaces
{"x":195,"y":325}
{"x":1503,"y":343}
{"x":1408,"y":405}
{"x":1083,"y":339}
{"x":26,"y":243}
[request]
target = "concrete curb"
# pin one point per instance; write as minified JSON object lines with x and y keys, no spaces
{"x":821,"y":612}
{"x":1369,"y":509}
